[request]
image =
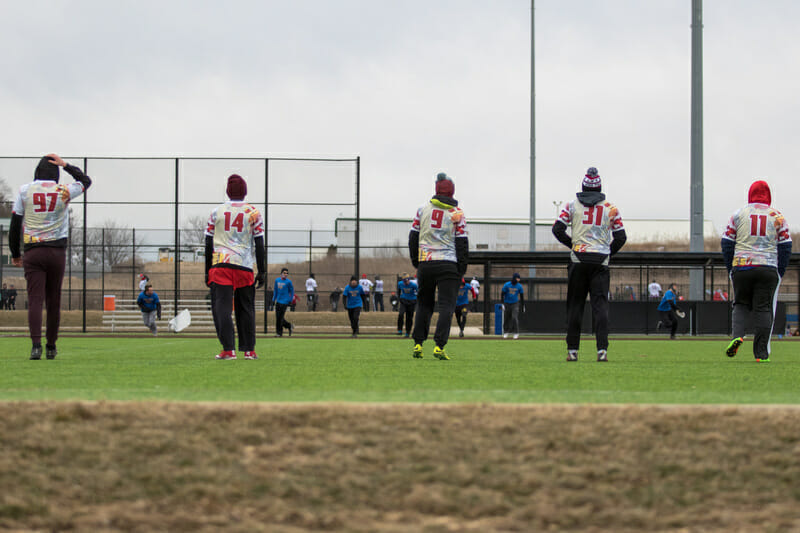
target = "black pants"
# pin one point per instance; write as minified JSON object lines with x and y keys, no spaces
{"x":754,"y":292}
{"x":433,"y":274}
{"x":669,"y":320}
{"x":280,"y":320}
{"x":461,"y":316}
{"x":511,"y":318}
{"x":44,"y":272}
{"x":583,"y":279}
{"x":223,"y":297}
{"x":378,"y":297}
{"x":365,"y":301}
{"x":406,"y":311}
{"x":353,"y":313}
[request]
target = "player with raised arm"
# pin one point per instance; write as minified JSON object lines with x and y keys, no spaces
{"x":439,"y":250}
{"x":597,"y":234}
{"x":234,"y":246}
{"x":756,"y":247}
{"x":41,"y":216}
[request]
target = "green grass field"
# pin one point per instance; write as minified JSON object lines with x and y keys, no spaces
{"x":382,"y":370}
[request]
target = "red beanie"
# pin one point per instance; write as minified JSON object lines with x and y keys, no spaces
{"x":237,"y":187}
{"x":445,"y":185}
{"x":759,"y":193}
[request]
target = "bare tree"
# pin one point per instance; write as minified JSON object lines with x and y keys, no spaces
{"x":111,"y":243}
{"x":6,"y":200}
{"x":193,"y":231}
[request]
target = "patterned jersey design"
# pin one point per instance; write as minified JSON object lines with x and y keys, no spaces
{"x":234,"y":225}
{"x":44,"y":207}
{"x":591,"y":225}
{"x":757,"y":229}
{"x":438,"y":225}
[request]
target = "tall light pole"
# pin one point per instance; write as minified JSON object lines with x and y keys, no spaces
{"x":696,"y":157}
{"x":532,"y":231}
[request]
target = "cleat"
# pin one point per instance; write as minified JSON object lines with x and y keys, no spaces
{"x":440,"y":354}
{"x":733,"y":347}
{"x":226,"y":355}
{"x":250,"y":356}
{"x":516,"y":336}
{"x":36,"y":352}
{"x":408,"y":335}
{"x":461,"y":333}
{"x":764,"y":360}
{"x":572,"y":355}
{"x":399,"y":331}
{"x":672,"y":337}
{"x":505,"y":335}
{"x":291,"y":329}
{"x":417,"y":353}
{"x":51,"y":352}
{"x":602,"y":356}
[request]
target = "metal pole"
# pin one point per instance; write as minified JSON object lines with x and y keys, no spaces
{"x":358,"y":217}
{"x":69,"y":266}
{"x":177,"y":243}
{"x":696,"y":171}
{"x":532,"y":231}
{"x":85,"y":210}
{"x":1,"y":255}
{"x":103,"y":264}
{"x":266,"y":239}
{"x":133,"y":262}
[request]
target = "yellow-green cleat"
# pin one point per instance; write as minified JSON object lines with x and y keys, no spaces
{"x":733,"y":347}
{"x":439,"y":353}
{"x":417,"y":353}
{"x":765,"y":360}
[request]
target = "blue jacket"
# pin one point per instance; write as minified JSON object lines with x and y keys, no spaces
{"x":352,"y":296}
{"x":668,"y":302}
{"x":463,"y":294}
{"x":283,"y":291}
{"x":407,"y":292}
{"x":512,"y":292}
{"x":148,"y":303}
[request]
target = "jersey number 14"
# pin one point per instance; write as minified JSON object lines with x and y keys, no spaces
{"x":238,"y":221}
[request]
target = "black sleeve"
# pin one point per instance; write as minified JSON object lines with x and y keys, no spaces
{"x":462,"y":254}
{"x":560,"y":233}
{"x":14,"y":235}
{"x":728,"y":247}
{"x":79,"y":176}
{"x":619,"y":240}
{"x":209,"y":252}
{"x":784,"y":254}
{"x":259,"y":254}
{"x":413,"y":247}
{"x":158,"y":309}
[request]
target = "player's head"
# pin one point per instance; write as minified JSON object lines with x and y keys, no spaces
{"x":46,"y":170}
{"x":148,"y":289}
{"x":445,"y":185}
{"x":237,"y":187}
{"x":353,"y":281}
{"x":284,"y":272}
{"x":759,"y":193}
{"x":591,"y":181}
{"x":363,"y":276}
{"x":515,"y":277}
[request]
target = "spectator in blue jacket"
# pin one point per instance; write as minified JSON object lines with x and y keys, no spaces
{"x":150,"y":305}
{"x":407,"y":295}
{"x":513,"y":299}
{"x":353,"y":302}
{"x":462,"y":305}
{"x":282,"y":296}
{"x":668,"y":310}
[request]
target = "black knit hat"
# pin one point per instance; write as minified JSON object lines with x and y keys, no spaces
{"x":46,"y":170}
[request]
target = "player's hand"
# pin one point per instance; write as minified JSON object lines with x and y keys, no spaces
{"x":680,"y":313}
{"x":259,"y":280}
{"x":56,"y":160}
{"x":16,"y":261}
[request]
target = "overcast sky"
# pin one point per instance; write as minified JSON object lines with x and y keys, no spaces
{"x":415,"y":87}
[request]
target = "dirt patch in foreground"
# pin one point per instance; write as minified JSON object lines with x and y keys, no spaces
{"x":345,"y":467}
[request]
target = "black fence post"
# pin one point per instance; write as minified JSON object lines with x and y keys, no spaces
{"x":177,"y":242}
{"x":85,"y":213}
{"x":266,"y":240}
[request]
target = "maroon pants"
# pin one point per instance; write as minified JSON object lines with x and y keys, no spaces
{"x":44,"y":272}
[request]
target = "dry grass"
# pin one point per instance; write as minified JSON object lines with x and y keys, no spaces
{"x":190,"y":467}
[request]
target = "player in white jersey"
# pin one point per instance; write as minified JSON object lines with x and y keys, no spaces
{"x":439,"y":249}
{"x":234,"y":248}
{"x":756,"y":247}
{"x":597,"y":234}
{"x":42,"y":209}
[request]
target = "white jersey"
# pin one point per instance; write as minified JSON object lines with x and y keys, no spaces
{"x":654,"y":289}
{"x":757,"y":230}
{"x":476,"y":287}
{"x":143,"y":284}
{"x":311,"y":285}
{"x":365,"y":284}
{"x":438,"y":225}
{"x":234,"y":226}
{"x":44,"y":207}
{"x":378,"y":285}
{"x":591,"y":226}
